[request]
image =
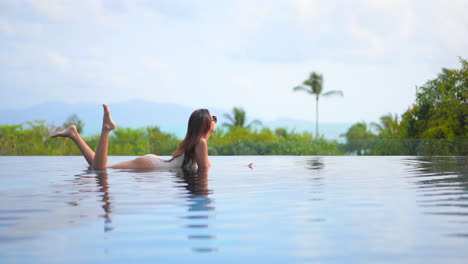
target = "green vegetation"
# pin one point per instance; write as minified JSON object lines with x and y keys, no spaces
{"x":75,"y":120}
{"x":314,"y":86}
{"x":238,"y":119}
{"x":33,"y":139}
{"x":244,"y":141}
{"x":437,"y":124}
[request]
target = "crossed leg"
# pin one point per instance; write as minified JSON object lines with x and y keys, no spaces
{"x":100,"y":157}
{"x":96,"y":160}
{"x":72,"y":133}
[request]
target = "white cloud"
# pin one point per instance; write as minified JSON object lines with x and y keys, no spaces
{"x":308,"y":10}
{"x":5,"y":26}
{"x":366,"y":44}
{"x":22,"y":29}
{"x":251,"y":15}
{"x":94,"y":52}
{"x":449,"y":24}
{"x":380,"y":31}
{"x":409,"y":30}
{"x":59,"y":61}
{"x":154,"y":65}
{"x":56,"y":10}
{"x":83,"y":12}
{"x":235,"y":51}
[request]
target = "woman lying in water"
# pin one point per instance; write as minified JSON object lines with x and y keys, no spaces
{"x":191,"y":154}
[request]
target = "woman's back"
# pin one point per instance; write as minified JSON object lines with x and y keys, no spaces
{"x":174,"y":163}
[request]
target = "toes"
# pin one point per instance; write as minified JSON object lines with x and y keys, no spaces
{"x":58,"y":134}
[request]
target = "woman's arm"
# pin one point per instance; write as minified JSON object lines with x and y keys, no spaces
{"x":201,"y":154}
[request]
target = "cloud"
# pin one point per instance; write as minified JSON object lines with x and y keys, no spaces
{"x":448,"y":25}
{"x":6,"y":27}
{"x":60,"y":62}
{"x":155,"y":66}
{"x":251,"y":16}
{"x":145,"y":47}
{"x":307,"y":10}
{"x":84,"y":13}
{"x":22,"y":29}
{"x":361,"y":31}
{"x":119,"y":6}
{"x":55,"y":10}
{"x":178,"y":9}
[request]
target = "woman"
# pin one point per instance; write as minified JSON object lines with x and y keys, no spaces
{"x":191,"y":154}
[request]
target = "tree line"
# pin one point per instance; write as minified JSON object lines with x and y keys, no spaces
{"x":32,"y":138}
{"x":436,"y":124}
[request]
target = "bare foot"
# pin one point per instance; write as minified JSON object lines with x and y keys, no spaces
{"x":70,"y":132}
{"x":107,"y":122}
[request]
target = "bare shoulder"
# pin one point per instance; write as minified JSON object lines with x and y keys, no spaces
{"x":202,"y":142}
{"x":201,"y":147}
{"x":201,"y":154}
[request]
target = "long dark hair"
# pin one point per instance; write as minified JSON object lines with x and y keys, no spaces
{"x":199,"y":124}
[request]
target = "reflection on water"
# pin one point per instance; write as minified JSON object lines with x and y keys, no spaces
{"x":103,"y":183}
{"x":83,"y":185}
{"x":92,"y":195}
{"x":195,"y":193}
{"x":199,"y":209}
{"x":442,"y":189}
{"x":315,"y":163}
{"x":288,"y":209}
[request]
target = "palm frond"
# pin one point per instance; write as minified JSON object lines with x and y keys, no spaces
{"x":376,"y":126}
{"x":224,"y":124}
{"x":309,"y":83}
{"x":333,"y":93}
{"x":254,"y":123}
{"x":230,"y":118}
{"x":301,"y":88}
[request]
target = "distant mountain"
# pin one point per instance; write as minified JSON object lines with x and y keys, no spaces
{"x":135,"y":113}
{"x":171,"y":118}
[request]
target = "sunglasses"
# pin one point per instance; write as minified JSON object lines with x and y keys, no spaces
{"x":215,"y":119}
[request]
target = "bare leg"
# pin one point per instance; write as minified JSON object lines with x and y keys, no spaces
{"x":100,"y":157}
{"x":98,"y":160}
{"x":72,"y":133}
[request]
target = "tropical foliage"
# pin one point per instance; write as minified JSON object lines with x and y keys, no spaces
{"x":34,"y":140}
{"x":314,"y":86}
{"x":358,"y":139}
{"x":238,"y":118}
{"x":437,"y":123}
{"x":244,"y":141}
{"x":74,"y":120}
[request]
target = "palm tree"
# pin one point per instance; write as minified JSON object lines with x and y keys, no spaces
{"x":238,"y":119}
{"x":314,"y":86}
{"x":358,"y":138}
{"x":74,"y":120}
{"x":388,"y":127}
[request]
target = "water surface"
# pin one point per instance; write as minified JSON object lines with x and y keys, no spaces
{"x":285,"y":210}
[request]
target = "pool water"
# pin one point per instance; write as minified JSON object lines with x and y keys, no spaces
{"x":286,"y":209}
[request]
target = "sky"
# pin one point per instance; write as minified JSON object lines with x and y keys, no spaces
{"x":225,"y":54}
